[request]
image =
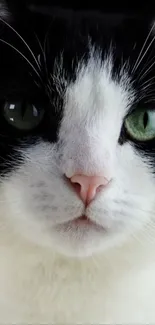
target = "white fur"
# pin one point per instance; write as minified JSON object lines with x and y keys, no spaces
{"x":53,"y":272}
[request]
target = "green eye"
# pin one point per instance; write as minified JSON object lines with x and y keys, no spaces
{"x":22,"y":115}
{"x":140,"y":125}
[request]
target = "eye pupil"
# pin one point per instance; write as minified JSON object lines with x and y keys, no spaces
{"x":145,"y":119}
{"x":22,"y":115}
{"x":140,"y":124}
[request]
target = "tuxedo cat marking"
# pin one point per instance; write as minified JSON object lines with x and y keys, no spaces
{"x":77,"y":163}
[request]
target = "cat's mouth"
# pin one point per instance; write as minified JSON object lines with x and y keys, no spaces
{"x":83,"y":222}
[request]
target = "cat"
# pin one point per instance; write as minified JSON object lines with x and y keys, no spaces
{"x":77,"y":166}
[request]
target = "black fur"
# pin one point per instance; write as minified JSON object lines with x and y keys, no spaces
{"x":66,"y":32}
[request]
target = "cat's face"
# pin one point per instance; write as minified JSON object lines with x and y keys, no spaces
{"x":83,"y":106}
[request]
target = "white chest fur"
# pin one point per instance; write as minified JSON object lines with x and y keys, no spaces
{"x":40,"y":286}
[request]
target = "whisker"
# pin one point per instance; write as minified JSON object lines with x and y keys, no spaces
{"x":147,"y":81}
{"x":48,"y":86}
{"x":22,"y":39}
{"x":141,"y":74}
{"x":150,"y":67}
{"x":1,"y":40}
{"x":139,"y":59}
{"x":145,"y":52}
{"x":43,"y":52}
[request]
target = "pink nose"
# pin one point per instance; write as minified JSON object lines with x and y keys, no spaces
{"x":88,"y":186}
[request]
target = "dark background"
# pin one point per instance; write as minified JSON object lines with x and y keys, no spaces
{"x":117,"y":6}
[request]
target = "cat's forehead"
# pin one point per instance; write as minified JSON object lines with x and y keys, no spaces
{"x":97,"y":91}
{"x":89,"y":60}
{"x":111,"y":69}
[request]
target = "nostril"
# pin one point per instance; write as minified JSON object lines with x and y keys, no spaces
{"x":99,"y":188}
{"x":76,"y":187}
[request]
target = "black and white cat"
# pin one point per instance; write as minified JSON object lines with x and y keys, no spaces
{"x":77,"y":165}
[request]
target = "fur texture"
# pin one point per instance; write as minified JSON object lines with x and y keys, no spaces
{"x":88,"y":78}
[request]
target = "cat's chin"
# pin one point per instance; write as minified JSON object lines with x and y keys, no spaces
{"x":80,"y":237}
